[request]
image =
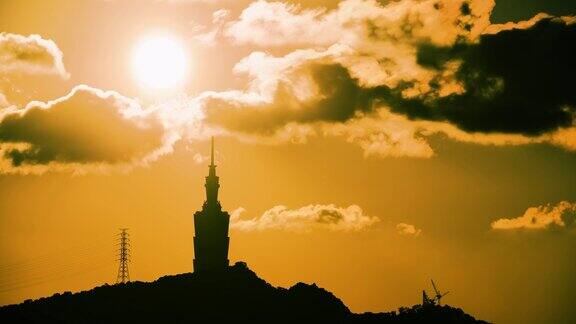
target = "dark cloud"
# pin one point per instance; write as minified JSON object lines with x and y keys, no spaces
{"x":88,"y":126}
{"x":516,"y":10}
{"x":516,"y":81}
{"x":338,"y":99}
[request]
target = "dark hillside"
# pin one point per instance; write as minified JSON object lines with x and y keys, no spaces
{"x":236,"y":295}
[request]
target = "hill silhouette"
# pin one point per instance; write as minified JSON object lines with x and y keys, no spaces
{"x":235,"y":295}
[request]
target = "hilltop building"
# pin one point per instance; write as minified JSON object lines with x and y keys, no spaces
{"x":211,"y":239}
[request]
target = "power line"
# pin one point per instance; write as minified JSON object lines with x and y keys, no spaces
{"x":39,"y":269}
{"x":65,"y":274}
{"x":47,"y":257}
{"x":78,"y":257}
{"x":123,"y":256}
{"x":48,"y":272}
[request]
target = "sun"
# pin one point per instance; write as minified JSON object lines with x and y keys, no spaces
{"x":159,"y":62}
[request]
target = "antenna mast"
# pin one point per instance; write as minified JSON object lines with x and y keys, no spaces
{"x":212,"y":153}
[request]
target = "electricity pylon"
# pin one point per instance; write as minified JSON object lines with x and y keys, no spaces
{"x":123,"y":256}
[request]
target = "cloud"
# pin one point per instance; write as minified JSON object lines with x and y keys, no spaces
{"x":387,"y":76}
{"x":193,"y":1}
{"x":385,"y":135}
{"x":383,"y":76}
{"x":337,"y":98}
{"x":305,"y":219}
{"x":422,"y":67}
{"x":3,"y":101}
{"x":87,"y":128}
{"x":327,"y":95}
{"x":382,"y":37}
{"x":388,"y":134}
{"x":516,"y":81}
{"x":407,"y":229}
{"x":220,"y":15}
{"x":210,"y":37}
{"x":360,"y":22}
{"x":563,"y":215}
{"x":496,"y":28}
{"x":30,"y":54}
{"x":278,"y":23}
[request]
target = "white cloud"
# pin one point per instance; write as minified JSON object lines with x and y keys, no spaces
{"x":540,"y":218}
{"x":30,"y":54}
{"x":496,"y":28}
{"x":388,"y":135}
{"x":407,"y":229}
{"x":211,"y":36}
{"x":354,"y":22}
{"x":305,"y":219}
{"x":382,"y":38}
{"x":3,"y":101}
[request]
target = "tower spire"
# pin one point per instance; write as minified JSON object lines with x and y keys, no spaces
{"x":212,"y":153}
{"x":212,"y":183}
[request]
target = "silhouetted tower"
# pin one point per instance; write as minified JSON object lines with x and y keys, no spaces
{"x":123,"y":256}
{"x":211,"y":239}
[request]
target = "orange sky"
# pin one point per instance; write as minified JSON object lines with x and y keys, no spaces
{"x":58,"y":224}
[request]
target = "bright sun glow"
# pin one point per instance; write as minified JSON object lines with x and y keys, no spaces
{"x":159,"y":62}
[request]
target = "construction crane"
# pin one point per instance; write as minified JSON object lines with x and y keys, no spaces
{"x":437,"y":296}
